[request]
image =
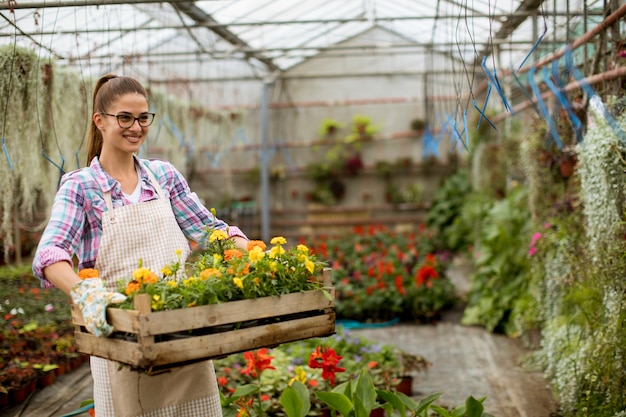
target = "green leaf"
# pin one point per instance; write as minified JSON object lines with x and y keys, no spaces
{"x":360,"y":410}
{"x":391,"y":399}
{"x":427,"y":401}
{"x":459,"y":411}
{"x":474,"y":407}
{"x":245,"y":390}
{"x":292,"y":403}
{"x":295,"y":400}
{"x":365,"y":390}
{"x":336,"y":401}
{"x":440,"y":410}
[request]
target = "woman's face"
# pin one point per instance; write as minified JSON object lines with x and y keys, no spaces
{"x":119,"y":139}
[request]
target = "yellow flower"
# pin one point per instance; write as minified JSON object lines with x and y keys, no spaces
{"x":276,"y":251}
{"x":189,"y":281}
{"x":238,"y":282}
{"x":309,"y":265}
{"x":256,"y":281}
{"x":302,"y":248}
{"x":172,"y":284}
{"x":278,"y":240}
{"x":217,"y":258}
{"x":300,"y":375}
{"x":167,"y":271}
{"x":218,"y":235}
{"x":256,"y":254}
{"x":139,"y":273}
{"x":273,"y":266}
{"x":179,"y":252}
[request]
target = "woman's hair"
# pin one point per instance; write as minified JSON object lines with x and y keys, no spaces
{"x":108,"y":89}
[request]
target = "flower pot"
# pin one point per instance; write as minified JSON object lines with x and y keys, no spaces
{"x":18,"y":395}
{"x":46,"y":379}
{"x":406,"y":385}
{"x":4,"y":398}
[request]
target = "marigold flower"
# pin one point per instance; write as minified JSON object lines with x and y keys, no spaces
{"x":278,"y":240}
{"x":218,"y":235}
{"x":210,"y":272}
{"x":309,"y":265}
{"x":88,"y":273}
{"x":256,"y":254}
{"x":256,"y":244}
{"x":230,"y":254}
{"x":167,"y":271}
{"x":276,"y":251}
{"x":302,"y":248}
{"x":132,"y":286}
{"x":172,"y":284}
{"x":238,"y":282}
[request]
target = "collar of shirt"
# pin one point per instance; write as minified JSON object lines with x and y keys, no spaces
{"x":109,"y":184}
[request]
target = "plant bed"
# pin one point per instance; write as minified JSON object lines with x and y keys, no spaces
{"x":151,"y":341}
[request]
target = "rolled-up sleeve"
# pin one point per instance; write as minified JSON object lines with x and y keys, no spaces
{"x":63,"y":232}
{"x":192,"y":216}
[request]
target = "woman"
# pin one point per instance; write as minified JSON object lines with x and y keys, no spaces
{"x":112,"y":214}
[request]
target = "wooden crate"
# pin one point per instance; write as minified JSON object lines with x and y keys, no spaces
{"x":154,"y":341}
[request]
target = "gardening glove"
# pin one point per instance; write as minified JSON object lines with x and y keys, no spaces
{"x":93,"y":298}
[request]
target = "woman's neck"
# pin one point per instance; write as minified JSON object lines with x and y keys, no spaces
{"x":123,"y":170}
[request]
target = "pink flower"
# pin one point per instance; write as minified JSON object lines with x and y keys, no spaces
{"x":532,"y":251}
{"x":49,"y":308}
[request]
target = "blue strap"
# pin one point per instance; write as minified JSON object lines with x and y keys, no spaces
{"x":545,"y":30}
{"x":591,"y":94}
{"x":494,"y":80}
{"x":523,"y":90}
{"x":482,"y":112}
{"x":542,"y":106}
{"x":6,"y":154}
{"x":563,"y":101}
{"x":59,"y":167}
{"x":79,"y":411}
{"x":430,"y":145}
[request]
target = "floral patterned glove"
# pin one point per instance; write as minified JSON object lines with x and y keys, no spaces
{"x":93,"y":298}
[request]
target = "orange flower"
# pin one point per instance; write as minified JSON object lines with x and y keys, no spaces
{"x":210,"y":272}
{"x":88,"y":273}
{"x":230,"y":254}
{"x":256,"y":243}
{"x":222,"y":381}
{"x":132,"y":287}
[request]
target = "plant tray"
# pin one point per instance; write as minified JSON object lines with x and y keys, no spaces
{"x":155,"y":341}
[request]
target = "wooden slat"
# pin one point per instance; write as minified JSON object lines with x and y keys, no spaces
{"x":232,"y":312}
{"x":119,"y":350}
{"x":222,"y":344}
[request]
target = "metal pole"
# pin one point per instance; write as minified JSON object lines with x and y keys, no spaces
{"x":265,"y":156}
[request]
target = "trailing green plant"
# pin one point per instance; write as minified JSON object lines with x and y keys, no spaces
{"x":444,"y":214}
{"x":501,"y":262}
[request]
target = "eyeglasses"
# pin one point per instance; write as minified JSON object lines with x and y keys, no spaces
{"x":127,"y":120}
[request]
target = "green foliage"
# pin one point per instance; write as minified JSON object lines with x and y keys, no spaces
{"x":444,"y":215}
{"x":502,"y":264}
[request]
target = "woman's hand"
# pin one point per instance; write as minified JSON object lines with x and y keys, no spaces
{"x":93,"y":298}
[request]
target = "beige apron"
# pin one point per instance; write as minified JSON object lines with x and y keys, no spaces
{"x":147,"y":231}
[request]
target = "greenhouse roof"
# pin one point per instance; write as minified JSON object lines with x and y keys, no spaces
{"x":256,"y":39}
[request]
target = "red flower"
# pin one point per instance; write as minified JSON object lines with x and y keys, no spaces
{"x":424,"y":274}
{"x":257,"y":362}
{"x":222,"y":381}
{"x":399,"y":285}
{"x":326,"y":359}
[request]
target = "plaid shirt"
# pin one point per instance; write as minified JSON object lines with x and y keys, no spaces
{"x":75,"y":225}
